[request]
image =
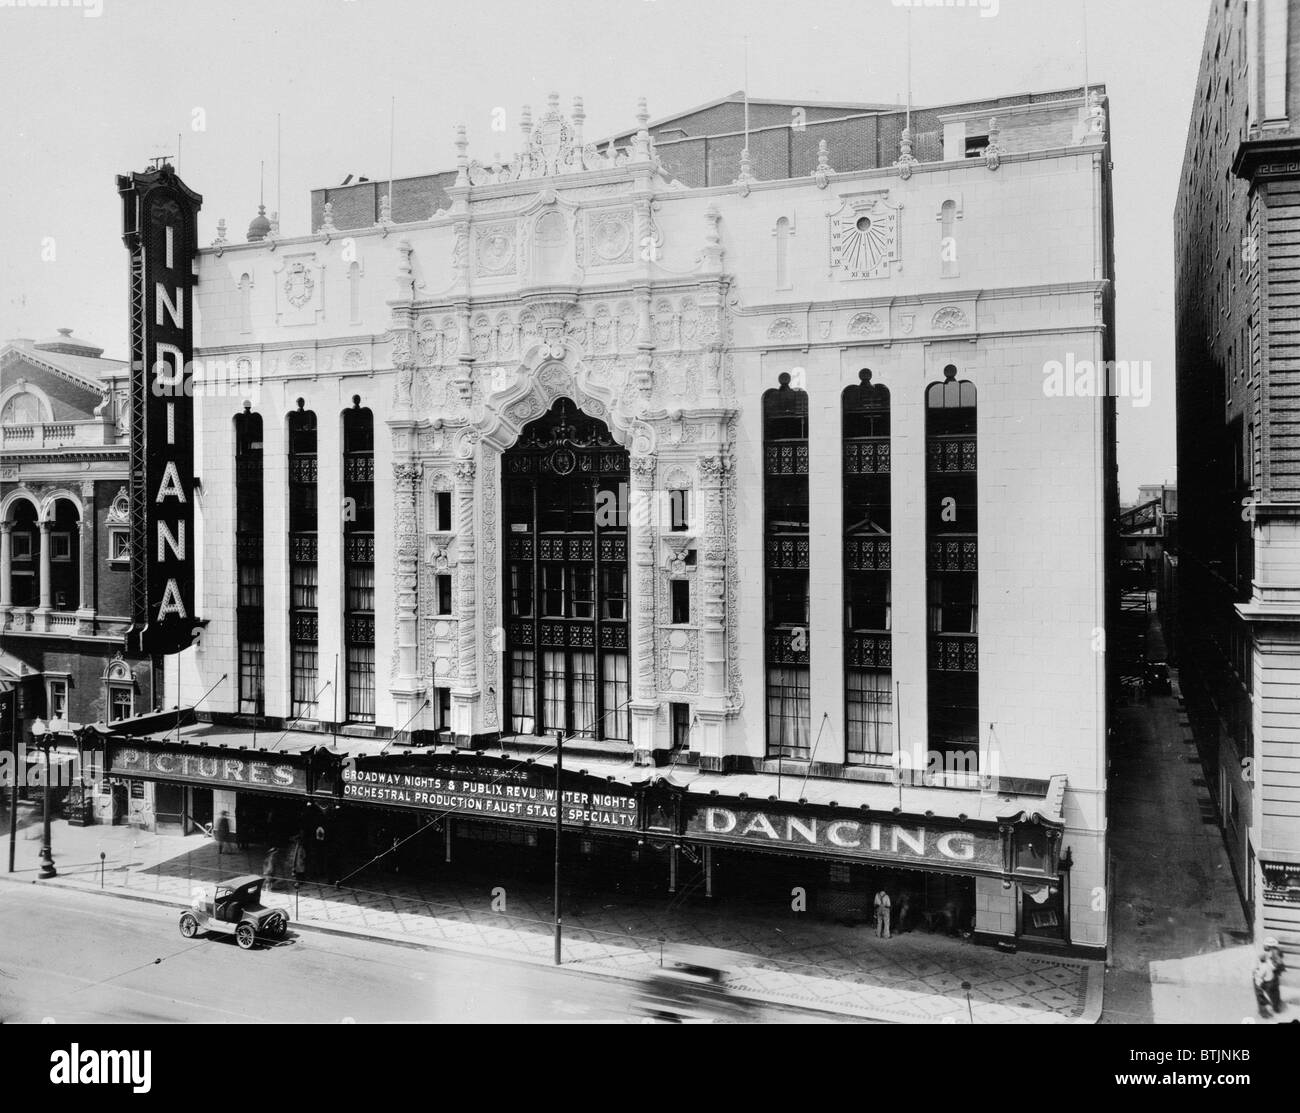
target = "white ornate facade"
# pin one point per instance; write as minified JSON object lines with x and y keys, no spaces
{"x":666,"y":312}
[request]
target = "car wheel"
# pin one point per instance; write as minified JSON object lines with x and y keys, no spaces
{"x":279,"y":927}
{"x":245,"y":936}
{"x":189,"y":926}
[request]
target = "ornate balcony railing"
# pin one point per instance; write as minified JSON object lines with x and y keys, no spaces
{"x":955,"y":554}
{"x":873,"y":554}
{"x":867,"y":456}
{"x":949,"y":454}
{"x":954,"y":652}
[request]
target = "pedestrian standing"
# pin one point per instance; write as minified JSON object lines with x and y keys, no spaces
{"x":1274,"y":951}
{"x":269,"y":868}
{"x":298,"y":859}
{"x":222,"y":833}
{"x":882,"y":905}
{"x":1264,"y":977}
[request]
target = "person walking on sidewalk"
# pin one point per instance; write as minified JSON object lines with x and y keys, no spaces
{"x":269,"y":868}
{"x":298,"y":859}
{"x":222,"y":833}
{"x":882,"y":905}
{"x":1274,"y":951}
{"x":1264,"y":977}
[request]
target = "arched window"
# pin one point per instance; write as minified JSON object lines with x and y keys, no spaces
{"x":952,"y":579}
{"x":868,"y":600}
{"x":304,"y":663}
{"x":250,"y":603}
{"x":786,"y":521}
{"x":21,"y":409}
{"x":359,"y":560}
{"x":565,"y":537}
{"x":245,"y":303}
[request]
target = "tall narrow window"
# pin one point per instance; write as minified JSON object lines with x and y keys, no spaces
{"x":245,"y":304}
{"x":565,"y":577}
{"x":249,"y":604}
{"x":304,"y":664}
{"x":868,"y":563}
{"x":782,"y":235}
{"x":785,"y":497}
{"x":359,"y":560}
{"x":952,"y":573}
{"x":354,"y":293}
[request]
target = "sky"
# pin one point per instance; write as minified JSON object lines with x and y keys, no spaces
{"x":99,"y":87}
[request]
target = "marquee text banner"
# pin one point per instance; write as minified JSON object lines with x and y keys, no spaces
{"x":878,"y":840}
{"x":510,"y":794}
{"x":215,"y":770}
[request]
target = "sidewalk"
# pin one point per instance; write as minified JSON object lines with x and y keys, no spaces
{"x":912,"y":978}
{"x":1179,"y":950}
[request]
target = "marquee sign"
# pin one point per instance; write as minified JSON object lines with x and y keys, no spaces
{"x":508,"y":794}
{"x":884,"y":841}
{"x":159,"y":228}
{"x":219,"y":769}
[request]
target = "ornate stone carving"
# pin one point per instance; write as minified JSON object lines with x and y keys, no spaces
{"x":864,"y":324}
{"x":822,"y":174}
{"x":782,"y":329}
{"x":495,"y":248}
{"x":949,"y":319}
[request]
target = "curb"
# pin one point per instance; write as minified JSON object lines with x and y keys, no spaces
{"x":1090,"y":1015}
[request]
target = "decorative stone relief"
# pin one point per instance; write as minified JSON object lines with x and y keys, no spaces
{"x":495,"y":249}
{"x":864,"y":324}
{"x":782,"y":329}
{"x":949,"y":319}
{"x":608,"y":237}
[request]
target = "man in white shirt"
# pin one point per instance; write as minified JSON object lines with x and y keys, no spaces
{"x":882,"y":906}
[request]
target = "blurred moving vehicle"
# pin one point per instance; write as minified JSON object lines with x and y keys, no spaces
{"x":234,"y":907}
{"x":691,"y":986}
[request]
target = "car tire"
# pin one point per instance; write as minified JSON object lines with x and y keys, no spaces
{"x":279,"y":928}
{"x":189,"y":926}
{"x":245,"y":936}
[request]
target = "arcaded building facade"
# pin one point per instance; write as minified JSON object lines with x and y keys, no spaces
{"x":746,"y":481}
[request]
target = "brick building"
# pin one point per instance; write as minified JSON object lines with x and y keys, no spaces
{"x":1238,"y":461}
{"x":65,"y":536}
{"x":744,"y":474}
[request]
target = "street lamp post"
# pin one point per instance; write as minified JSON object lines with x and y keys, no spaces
{"x":41,"y":732}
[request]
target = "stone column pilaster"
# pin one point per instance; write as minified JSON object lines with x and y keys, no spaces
{"x":6,"y":564}
{"x":642,"y":538}
{"x":711,"y":711}
{"x":465,"y":697}
{"x":409,"y":689}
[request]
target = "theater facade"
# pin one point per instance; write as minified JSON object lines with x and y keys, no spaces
{"x":750,"y":489}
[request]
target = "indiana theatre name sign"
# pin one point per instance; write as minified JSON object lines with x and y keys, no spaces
{"x":848,"y":837}
{"x":159,"y":228}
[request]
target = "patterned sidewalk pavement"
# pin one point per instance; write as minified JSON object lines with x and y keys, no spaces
{"x":911,"y":978}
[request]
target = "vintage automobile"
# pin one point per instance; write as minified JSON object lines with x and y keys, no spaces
{"x":235,"y":908}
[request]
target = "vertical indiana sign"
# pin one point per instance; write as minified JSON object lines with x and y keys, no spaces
{"x":159,"y":228}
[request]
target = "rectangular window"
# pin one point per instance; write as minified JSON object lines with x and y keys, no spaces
{"x":552,"y":591}
{"x":121,"y":704}
{"x":954,"y":605}
{"x":787,"y":598}
{"x":679,"y":510}
{"x":361,"y":683}
{"x":252,"y":677}
{"x":21,"y":546}
{"x":681,"y":601}
{"x":443,"y":702}
{"x":58,"y":699}
{"x":61,"y":546}
{"x":521,"y":590}
{"x":681,"y":724}
{"x":613,"y":593}
{"x":361,"y":588}
{"x":870,"y":720}
{"x":584,"y":694}
{"x":554,"y":705}
{"x":304,"y":680}
{"x":250,"y":586}
{"x":444,"y":594}
{"x":582,"y":597}
{"x":976,"y":145}
{"x":615,"y":697}
{"x":522,"y":692}
{"x":303,"y":584}
{"x":870,"y":606}
{"x":442,"y":511}
{"x":788,"y":711}
{"x":119,"y":545}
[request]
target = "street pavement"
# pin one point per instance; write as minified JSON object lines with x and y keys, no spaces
{"x":789,"y":962}
{"x":1179,"y":951}
{"x":71,"y":956}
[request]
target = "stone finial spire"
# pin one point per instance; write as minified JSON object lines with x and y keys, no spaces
{"x":822,"y":175}
{"x":462,"y":156}
{"x":327,"y":221}
{"x":579,"y":115}
{"x":385,"y":210}
{"x":553,"y":102}
{"x":905,"y":161}
{"x":642,"y":113}
{"x":746,"y":174}
{"x":221,"y":240}
{"x":993,"y":152}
